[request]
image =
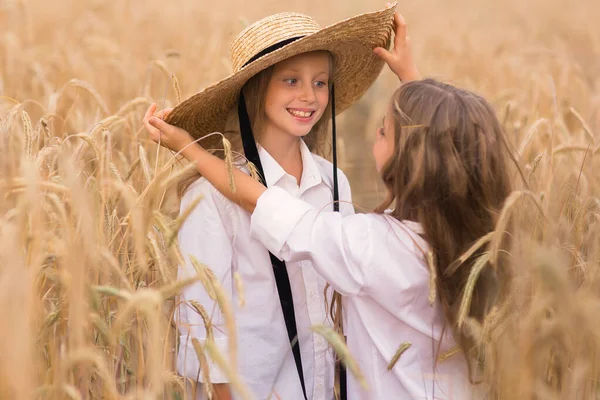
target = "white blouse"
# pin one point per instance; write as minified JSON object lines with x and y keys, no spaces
{"x":378,"y":264}
{"x":217,"y":233}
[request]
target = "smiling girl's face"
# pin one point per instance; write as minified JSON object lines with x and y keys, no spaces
{"x":297,"y":94}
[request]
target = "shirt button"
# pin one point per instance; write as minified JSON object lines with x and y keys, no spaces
{"x":313,"y":293}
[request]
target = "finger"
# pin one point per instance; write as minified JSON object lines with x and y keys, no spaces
{"x":152,"y":131}
{"x":400,"y":30}
{"x":149,"y":112}
{"x":161,"y":125}
{"x":383,"y":54}
{"x":155,"y":136}
{"x":162,"y":114}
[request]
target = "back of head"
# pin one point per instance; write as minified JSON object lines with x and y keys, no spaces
{"x":449,"y":172}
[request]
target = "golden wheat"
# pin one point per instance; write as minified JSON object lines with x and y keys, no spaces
{"x":89,"y":216}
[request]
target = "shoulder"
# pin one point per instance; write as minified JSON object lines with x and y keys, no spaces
{"x":207,"y":209}
{"x":388,"y":234}
{"x":202,"y":187}
{"x":209,"y":196}
{"x":392,"y":252}
{"x":404,"y":237}
{"x":376,"y":241}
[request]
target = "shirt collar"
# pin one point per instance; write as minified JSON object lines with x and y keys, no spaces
{"x":311,"y":175}
{"x":412,"y":225}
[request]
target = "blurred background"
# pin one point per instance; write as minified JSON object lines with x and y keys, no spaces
{"x":513,"y":52}
{"x":89,"y":215}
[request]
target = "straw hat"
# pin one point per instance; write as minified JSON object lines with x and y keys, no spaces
{"x":351,"y":42}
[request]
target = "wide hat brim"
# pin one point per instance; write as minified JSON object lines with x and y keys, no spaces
{"x":351,"y":42}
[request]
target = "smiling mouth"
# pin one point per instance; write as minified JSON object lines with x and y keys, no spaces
{"x":300,"y":114}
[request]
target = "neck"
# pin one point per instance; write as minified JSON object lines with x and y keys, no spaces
{"x":284,"y":149}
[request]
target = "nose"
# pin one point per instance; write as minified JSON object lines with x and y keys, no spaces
{"x":307,"y":93}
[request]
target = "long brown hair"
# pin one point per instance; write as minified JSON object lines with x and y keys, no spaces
{"x":449,"y":171}
{"x":254,"y":92}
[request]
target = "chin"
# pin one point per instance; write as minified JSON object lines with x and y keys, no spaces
{"x":299,"y":133}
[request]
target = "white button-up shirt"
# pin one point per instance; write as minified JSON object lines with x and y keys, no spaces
{"x":377,"y":263}
{"x":217,"y":233}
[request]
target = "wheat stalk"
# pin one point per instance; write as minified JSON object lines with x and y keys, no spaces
{"x":467,"y":294}
{"x":234,"y":381}
{"x":229,"y":163}
{"x":239,"y":287}
{"x":176,"y":89}
{"x":28,"y":133}
{"x":337,"y":343}
{"x":432,"y":277}
{"x":403,"y":347}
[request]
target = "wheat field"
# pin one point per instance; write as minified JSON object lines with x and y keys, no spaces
{"x":89,"y":213}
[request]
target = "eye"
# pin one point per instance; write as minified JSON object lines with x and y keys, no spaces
{"x":320,"y":84}
{"x":291,"y":81}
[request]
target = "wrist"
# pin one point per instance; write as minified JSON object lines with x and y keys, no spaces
{"x":409,"y":75}
{"x":191,"y":152}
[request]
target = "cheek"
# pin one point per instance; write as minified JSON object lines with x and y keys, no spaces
{"x":269,"y":113}
{"x":377,"y":153}
{"x":383,"y":150}
{"x":322,"y":98}
{"x":323,"y":94}
{"x":374,"y":151}
{"x":390,"y":146}
{"x":276,"y":96}
{"x":274,"y":105}
{"x":269,"y":101}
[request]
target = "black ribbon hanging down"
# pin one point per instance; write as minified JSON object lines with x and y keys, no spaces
{"x":336,"y":195}
{"x":282,"y":279}
{"x":336,"y":207}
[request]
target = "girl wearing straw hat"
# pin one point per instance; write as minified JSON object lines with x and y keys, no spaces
{"x":290,"y":78}
{"x":416,"y":290}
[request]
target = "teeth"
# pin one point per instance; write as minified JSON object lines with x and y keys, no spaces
{"x":301,"y":114}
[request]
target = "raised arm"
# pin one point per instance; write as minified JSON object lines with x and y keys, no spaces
{"x":400,"y":58}
{"x":339,"y":247}
{"x":211,"y":167}
{"x":327,"y":245}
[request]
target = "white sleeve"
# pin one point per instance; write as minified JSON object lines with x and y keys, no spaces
{"x":339,"y":247}
{"x":346,"y":206}
{"x":203,"y":236}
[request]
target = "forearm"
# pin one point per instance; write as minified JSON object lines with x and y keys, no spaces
{"x":293,"y":230}
{"x":412,"y":75}
{"x":215,"y":171}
